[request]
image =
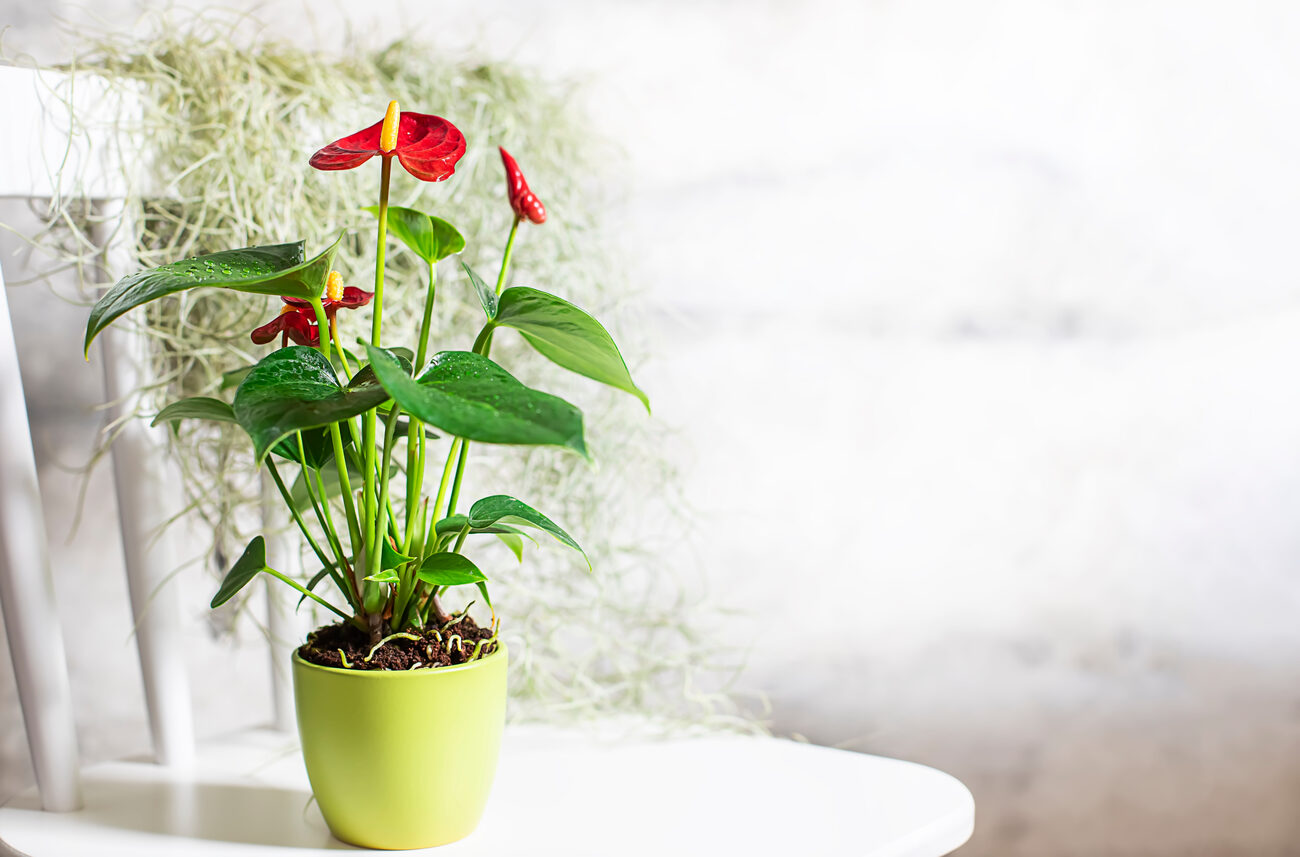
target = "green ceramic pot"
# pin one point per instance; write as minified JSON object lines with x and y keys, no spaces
{"x":401,"y":759}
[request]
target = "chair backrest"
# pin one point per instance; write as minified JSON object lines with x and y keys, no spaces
{"x":67,"y":139}
{"x":27,"y":593}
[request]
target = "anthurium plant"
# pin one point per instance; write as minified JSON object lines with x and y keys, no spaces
{"x":357,"y":420}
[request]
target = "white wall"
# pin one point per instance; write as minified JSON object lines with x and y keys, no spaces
{"x":979,"y":322}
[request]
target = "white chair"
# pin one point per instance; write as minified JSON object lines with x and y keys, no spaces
{"x":610,"y":790}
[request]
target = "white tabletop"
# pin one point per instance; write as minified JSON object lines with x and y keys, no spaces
{"x":557,"y":793}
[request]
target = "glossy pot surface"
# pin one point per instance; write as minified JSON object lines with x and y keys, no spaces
{"x":401,"y":759}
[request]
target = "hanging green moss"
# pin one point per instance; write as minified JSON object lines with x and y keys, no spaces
{"x":230,"y":129}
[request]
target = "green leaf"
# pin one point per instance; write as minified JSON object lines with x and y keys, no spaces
{"x":197,"y":408}
{"x":316,"y":443}
{"x":449,"y":528}
{"x":391,"y":558}
{"x":515,"y":543}
{"x":449,"y":569}
{"x":482,"y":588}
{"x":402,"y":353}
{"x":385,"y":576}
{"x":469,"y":396}
{"x":453,"y":524}
{"x":499,"y":507}
{"x":366,"y":374}
{"x":293,"y":389}
{"x":234,"y":377}
{"x":277,"y":269}
{"x":486,"y":295}
{"x":450,"y":524}
{"x":431,"y":238}
{"x":250,"y":563}
{"x":566,"y":335}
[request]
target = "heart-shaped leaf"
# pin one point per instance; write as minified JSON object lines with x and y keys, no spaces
{"x":453,"y":524}
{"x":390,"y":557}
{"x":566,"y":335}
{"x":450,"y":524}
{"x":311,"y":585}
{"x":385,"y":576}
{"x":449,"y":569}
{"x":295,"y":388}
{"x":277,"y":269}
{"x":366,"y":374}
{"x":502,"y":508}
{"x":469,"y":396}
{"x":197,"y":408}
{"x":486,"y":295}
{"x":515,"y":543}
{"x":316,"y":443}
{"x":431,"y":238}
{"x":250,"y":563}
{"x":233,"y":378}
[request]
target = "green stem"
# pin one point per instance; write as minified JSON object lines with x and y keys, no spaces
{"x":460,"y":471}
{"x":349,"y":507}
{"x":505,"y":260}
{"x":415,"y":430}
{"x":297,"y":518}
{"x":414,"y":464}
{"x":311,"y":494}
{"x":305,"y":591}
{"x":446,"y":480}
{"x":482,"y":345}
{"x":430,"y":295}
{"x":381,"y":520}
{"x":322,"y":328}
{"x":326,"y":521}
{"x":371,"y":514}
{"x":460,"y":538}
{"x":380,"y":247}
{"x":338,"y":346}
{"x":483,"y":342}
{"x":351,"y":587}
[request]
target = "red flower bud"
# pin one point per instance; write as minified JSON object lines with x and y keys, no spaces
{"x":523,"y":201}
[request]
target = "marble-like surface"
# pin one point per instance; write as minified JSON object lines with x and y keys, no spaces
{"x":977,"y":322}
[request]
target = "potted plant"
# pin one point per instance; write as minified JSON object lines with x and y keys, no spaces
{"x":400,"y":702}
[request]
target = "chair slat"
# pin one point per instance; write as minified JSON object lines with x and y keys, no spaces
{"x":285,"y":626}
{"x":27,"y":595}
{"x":147,"y":494}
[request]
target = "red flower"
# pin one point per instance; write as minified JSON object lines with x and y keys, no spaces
{"x":297,"y":320}
{"x":428,"y":146}
{"x":291,"y":323}
{"x":525,"y":203}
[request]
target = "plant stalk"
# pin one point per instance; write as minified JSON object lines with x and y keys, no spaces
{"x":341,"y":463}
{"x":370,"y":530}
{"x":482,"y":345}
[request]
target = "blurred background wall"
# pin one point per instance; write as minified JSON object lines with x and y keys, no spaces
{"x":978,"y":322}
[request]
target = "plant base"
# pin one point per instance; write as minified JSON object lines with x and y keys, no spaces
{"x":341,"y":643}
{"x":401,"y":759}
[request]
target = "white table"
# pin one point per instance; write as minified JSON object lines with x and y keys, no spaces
{"x":557,"y":792}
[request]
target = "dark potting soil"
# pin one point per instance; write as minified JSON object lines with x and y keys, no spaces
{"x":328,"y":645}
